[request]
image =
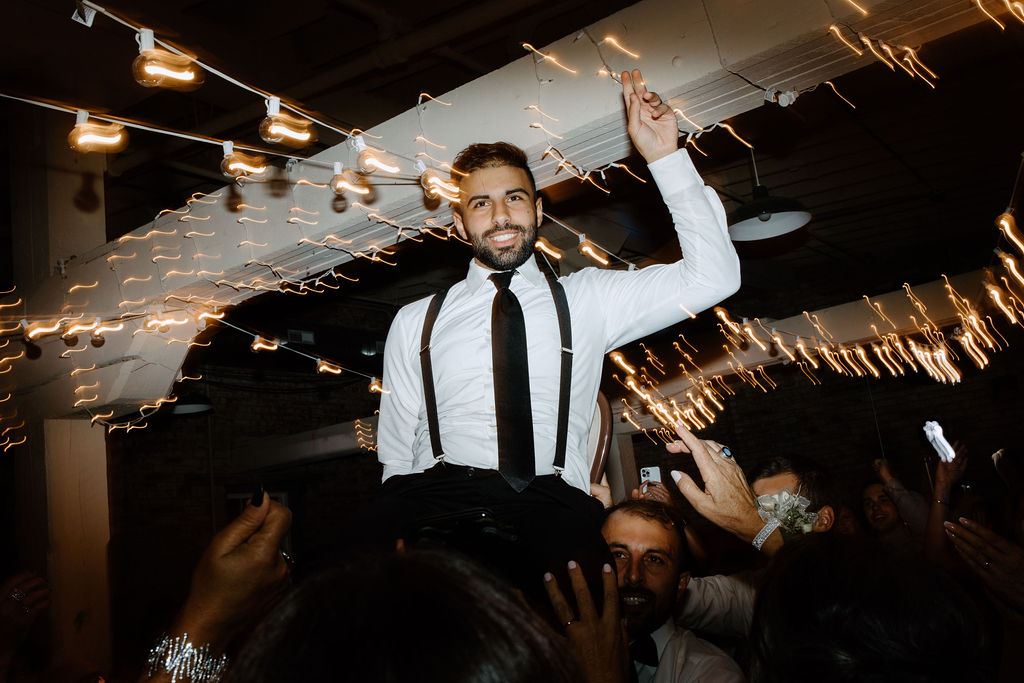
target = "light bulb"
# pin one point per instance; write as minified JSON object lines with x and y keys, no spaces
{"x":435,"y":186}
{"x":90,"y":136}
{"x":237,"y":164}
{"x":370,"y":160}
{"x":285,"y":129}
{"x":262,"y":344}
{"x":347,"y":180}
{"x":159,"y":68}
{"x":323,"y":366}
{"x":587,"y":248}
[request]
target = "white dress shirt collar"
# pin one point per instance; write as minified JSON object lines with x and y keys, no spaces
{"x":478,"y":275}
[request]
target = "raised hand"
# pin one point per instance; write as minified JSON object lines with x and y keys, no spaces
{"x":239,"y":575}
{"x":22,"y":600}
{"x":726,"y":498}
{"x":996,"y":561}
{"x":597,"y":641}
{"x":949,"y":473}
{"x":653,"y":490}
{"x":883,"y":470}
{"x":651,"y":123}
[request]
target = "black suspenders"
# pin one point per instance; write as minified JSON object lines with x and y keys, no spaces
{"x":565,"y":373}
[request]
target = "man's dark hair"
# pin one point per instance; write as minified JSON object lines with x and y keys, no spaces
{"x":422,"y":616}
{"x":663,"y":515}
{"x":815,"y":483}
{"x":850,"y":612}
{"x":491,"y":155}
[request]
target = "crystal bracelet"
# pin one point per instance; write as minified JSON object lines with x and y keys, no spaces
{"x":767,"y":530}
{"x":183,"y":661}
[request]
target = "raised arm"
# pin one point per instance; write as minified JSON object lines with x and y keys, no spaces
{"x":660,"y":295}
{"x":726,"y":499}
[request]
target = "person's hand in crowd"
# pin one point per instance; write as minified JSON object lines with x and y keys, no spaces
{"x":22,"y":599}
{"x":602,"y":491}
{"x":240,"y":575}
{"x":947,"y":474}
{"x":726,"y":499}
{"x":883,"y":470}
{"x":653,"y":490}
{"x":650,"y":122}
{"x":597,"y":641}
{"x":996,"y":561}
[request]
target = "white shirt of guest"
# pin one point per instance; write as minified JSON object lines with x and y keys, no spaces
{"x":685,"y":658}
{"x":608,"y":308}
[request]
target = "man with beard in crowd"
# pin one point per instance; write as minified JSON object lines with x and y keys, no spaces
{"x":652,"y":563}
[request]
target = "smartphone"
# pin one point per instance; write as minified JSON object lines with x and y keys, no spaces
{"x":648,"y":474}
{"x":933,"y":431}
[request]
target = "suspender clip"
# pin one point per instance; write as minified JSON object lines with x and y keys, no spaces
{"x":558,"y":471}
{"x":565,"y":350}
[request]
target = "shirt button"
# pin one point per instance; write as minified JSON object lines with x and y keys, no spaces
{"x":494,"y":429}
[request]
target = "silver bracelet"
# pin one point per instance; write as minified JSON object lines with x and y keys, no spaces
{"x":183,"y":661}
{"x":767,"y":530}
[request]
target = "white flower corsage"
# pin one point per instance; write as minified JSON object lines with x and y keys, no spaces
{"x":789,"y":509}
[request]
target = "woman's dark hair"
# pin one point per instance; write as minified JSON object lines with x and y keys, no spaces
{"x":416,"y":616}
{"x":846,"y":611}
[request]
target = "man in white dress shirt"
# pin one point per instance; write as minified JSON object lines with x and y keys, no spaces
{"x":431,"y":472}
{"x":652,"y":561}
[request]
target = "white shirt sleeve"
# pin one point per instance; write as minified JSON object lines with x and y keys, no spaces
{"x":651,"y":299}
{"x":688,"y":659}
{"x":721,"y":605}
{"x":402,"y":400}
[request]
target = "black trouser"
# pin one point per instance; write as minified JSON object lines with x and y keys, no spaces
{"x":520,"y":537}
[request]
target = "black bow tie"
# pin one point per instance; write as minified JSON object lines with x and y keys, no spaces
{"x":644,"y":650}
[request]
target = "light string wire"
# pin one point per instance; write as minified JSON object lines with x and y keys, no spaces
{"x":284,"y":345}
{"x":349,"y":134}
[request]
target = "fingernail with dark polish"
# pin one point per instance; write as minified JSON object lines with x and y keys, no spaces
{"x":257,"y":497}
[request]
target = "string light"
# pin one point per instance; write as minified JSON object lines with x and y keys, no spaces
{"x":1008,"y":226}
{"x":346,"y":180}
{"x":371,"y":160}
{"x":323,"y":366}
{"x":839,"y":34}
{"x":863,"y":358}
{"x":1016,"y":9}
{"x":544,"y":246}
{"x":610,"y":40}
{"x":159,"y":68}
{"x":285,"y":129}
{"x":435,"y":186}
{"x":590,"y":250}
{"x":261,"y":344}
{"x":89,"y":136}
{"x":857,"y":7}
{"x":870,"y":44}
{"x":1001,"y":25}
{"x":238,"y":164}
{"x":547,"y":58}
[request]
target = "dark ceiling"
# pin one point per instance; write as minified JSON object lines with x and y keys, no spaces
{"x":902,"y":188}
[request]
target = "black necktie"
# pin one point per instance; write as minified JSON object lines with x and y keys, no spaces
{"x":644,"y":650}
{"x":511,"y":385}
